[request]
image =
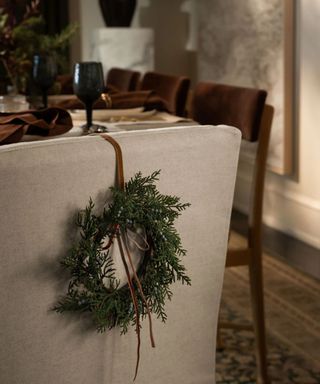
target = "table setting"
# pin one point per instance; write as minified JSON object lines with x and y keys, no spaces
{"x":89,"y":111}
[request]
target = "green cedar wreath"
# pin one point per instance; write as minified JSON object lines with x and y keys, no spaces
{"x":140,"y":209}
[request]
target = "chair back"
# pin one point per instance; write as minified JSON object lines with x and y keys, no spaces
{"x":123,"y":80}
{"x":226,"y":104}
{"x":43,"y":186}
{"x":66,"y":84}
{"x":245,"y":109}
{"x":173,"y":89}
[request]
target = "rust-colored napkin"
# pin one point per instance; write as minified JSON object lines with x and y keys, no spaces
{"x":45,"y":122}
{"x":123,"y":100}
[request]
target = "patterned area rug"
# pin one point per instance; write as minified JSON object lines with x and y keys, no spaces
{"x":292,"y":306}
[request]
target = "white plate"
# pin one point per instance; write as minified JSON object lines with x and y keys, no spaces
{"x":110,"y":114}
{"x":13,"y":103}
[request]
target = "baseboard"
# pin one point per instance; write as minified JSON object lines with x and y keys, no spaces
{"x":295,"y":252}
{"x":284,"y":210}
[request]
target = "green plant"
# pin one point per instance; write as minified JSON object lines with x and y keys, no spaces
{"x":94,"y":288}
{"x":139,"y":206}
{"x":21,"y":39}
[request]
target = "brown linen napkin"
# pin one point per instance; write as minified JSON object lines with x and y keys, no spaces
{"x":45,"y":122}
{"x":123,"y":100}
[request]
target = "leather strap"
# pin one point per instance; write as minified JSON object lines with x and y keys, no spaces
{"x":119,"y":160}
{"x":122,"y":239}
{"x":134,"y":301}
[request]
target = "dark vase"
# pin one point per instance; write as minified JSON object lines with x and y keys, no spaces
{"x":117,"y":13}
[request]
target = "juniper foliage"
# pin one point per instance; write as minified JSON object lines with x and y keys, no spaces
{"x":139,"y":205}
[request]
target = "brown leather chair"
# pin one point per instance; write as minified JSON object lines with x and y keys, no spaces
{"x":66,"y":84}
{"x":173,"y":89}
{"x":245,"y":109}
{"x":123,"y":80}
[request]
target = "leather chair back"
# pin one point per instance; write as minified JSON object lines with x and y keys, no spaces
{"x":173,"y":89}
{"x":123,"y":80}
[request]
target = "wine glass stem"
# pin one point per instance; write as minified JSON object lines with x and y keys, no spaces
{"x":45,"y":99}
{"x":89,"y":114}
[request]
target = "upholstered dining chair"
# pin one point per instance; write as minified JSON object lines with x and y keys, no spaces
{"x":44,"y":184}
{"x":245,"y":109}
{"x":66,"y":84}
{"x":122,"y":79}
{"x":173,"y":89}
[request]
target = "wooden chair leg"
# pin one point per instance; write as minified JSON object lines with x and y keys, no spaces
{"x":220,"y":345}
{"x":256,"y":287}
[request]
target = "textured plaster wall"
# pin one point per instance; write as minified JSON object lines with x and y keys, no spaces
{"x":241,"y":43}
{"x":171,"y":30}
{"x":293,"y":204}
{"x":87,"y":14}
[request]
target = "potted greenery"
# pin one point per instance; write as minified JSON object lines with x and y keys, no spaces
{"x":21,"y":39}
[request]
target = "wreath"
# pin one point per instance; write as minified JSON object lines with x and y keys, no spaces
{"x":139,"y":217}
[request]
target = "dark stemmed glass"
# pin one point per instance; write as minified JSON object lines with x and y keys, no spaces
{"x":44,"y":72}
{"x":88,"y":85}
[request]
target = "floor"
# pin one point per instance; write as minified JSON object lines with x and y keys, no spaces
{"x":292,"y":306}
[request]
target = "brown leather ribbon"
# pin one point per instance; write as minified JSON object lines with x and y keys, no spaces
{"x":134,"y":300}
{"x":122,"y":239}
{"x":125,"y":238}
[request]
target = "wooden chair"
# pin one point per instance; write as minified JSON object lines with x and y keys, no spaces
{"x":245,"y":109}
{"x":173,"y":89}
{"x":123,"y":80}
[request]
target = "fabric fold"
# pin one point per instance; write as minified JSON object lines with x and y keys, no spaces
{"x":46,"y":122}
{"x":149,"y":100}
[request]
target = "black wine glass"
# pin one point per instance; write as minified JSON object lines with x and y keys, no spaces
{"x":88,"y":85}
{"x":44,"y":72}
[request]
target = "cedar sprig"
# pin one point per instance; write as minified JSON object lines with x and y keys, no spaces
{"x":139,"y":206}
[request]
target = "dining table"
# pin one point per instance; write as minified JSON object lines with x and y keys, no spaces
{"x":114,"y":120}
{"x":64,"y":117}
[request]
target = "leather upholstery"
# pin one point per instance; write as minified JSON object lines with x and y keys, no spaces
{"x":225,"y":104}
{"x":66,"y":84}
{"x":173,"y":89}
{"x":122,"y":79}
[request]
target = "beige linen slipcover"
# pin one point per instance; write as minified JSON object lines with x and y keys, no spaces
{"x":43,"y":185}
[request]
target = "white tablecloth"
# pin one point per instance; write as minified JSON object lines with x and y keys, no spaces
{"x":119,"y":120}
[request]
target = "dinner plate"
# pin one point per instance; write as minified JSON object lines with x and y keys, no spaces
{"x":13,"y":104}
{"x":113,"y":114}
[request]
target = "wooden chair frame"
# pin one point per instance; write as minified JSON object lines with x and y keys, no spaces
{"x":252,"y":254}
{"x":244,"y":108}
